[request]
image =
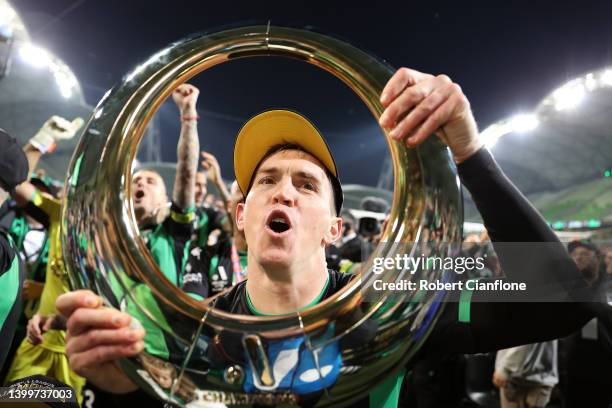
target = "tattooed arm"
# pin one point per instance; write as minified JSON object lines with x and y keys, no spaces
{"x":187,"y":151}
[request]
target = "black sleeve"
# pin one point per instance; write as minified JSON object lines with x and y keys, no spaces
{"x":515,"y":227}
{"x":179,"y":224}
{"x":37,"y":213}
{"x":215,"y":219}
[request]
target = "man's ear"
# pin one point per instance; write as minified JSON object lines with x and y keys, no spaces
{"x":334,"y":232}
{"x":240,"y":216}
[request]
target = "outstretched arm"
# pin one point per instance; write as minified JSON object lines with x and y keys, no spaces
{"x":183,"y":195}
{"x":418,"y":105}
{"x":211,"y":165}
{"x":44,"y":141}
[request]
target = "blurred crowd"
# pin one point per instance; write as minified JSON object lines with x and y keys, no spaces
{"x":569,"y":372}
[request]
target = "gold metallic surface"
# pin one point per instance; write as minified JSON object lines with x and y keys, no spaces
{"x":104,"y":252}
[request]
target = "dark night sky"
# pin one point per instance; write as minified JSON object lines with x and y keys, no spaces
{"x":506,"y":56}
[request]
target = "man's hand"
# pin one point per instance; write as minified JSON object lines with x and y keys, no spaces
{"x":37,"y":326}
{"x":96,"y":338}
{"x":499,"y":380}
{"x":186,"y":97}
{"x":54,"y":129}
{"x":32,"y":289}
{"x":211,"y":165}
{"x":418,"y":104}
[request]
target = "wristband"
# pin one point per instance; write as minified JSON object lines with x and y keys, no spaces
{"x":189,"y":118}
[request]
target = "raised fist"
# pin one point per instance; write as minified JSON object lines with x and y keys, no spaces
{"x":186,"y":97}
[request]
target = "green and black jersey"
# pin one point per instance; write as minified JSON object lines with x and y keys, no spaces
{"x":207,"y":219}
{"x":32,"y":245}
{"x":202,"y":258}
{"x":11,"y":279}
{"x":169,"y":241}
{"x":212,"y":267}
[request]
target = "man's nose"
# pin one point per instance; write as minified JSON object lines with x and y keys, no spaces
{"x":284,"y":193}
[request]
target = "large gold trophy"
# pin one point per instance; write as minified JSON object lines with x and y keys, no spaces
{"x":353,"y":341}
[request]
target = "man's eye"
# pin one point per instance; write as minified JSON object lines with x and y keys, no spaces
{"x":266,"y":180}
{"x":309,"y":186}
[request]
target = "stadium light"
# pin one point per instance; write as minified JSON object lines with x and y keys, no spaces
{"x":564,"y":98}
{"x":521,"y":123}
{"x":569,"y":96}
{"x":606,"y":77}
{"x":7,"y":14}
{"x":39,"y":58}
{"x":589,"y":82}
{"x":35,"y":56}
{"x":524,"y":122}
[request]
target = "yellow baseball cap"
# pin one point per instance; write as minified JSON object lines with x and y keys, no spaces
{"x":273,"y":128}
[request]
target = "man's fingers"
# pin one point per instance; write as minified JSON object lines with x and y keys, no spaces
{"x":35,"y":339}
{"x":435,"y":121}
{"x":83,"y":319}
{"x":107,"y":337}
{"x":406,"y":101}
{"x":402,"y":78}
{"x":423,"y":110}
{"x":93,"y":359}
{"x":46,"y":325}
{"x":67,"y":303}
{"x":35,"y":328}
{"x":209,"y":157}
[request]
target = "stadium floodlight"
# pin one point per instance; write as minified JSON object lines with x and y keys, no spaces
{"x":491,"y":135}
{"x":569,"y":96}
{"x":7,"y":14}
{"x":520,"y":123}
{"x":41,"y":59}
{"x":524,"y":122}
{"x":563,"y":98}
{"x":35,"y":56}
{"x":589,"y":82}
{"x":606,"y":77}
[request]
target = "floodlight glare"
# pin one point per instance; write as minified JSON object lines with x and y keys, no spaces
{"x":491,"y":134}
{"x":35,"y":56}
{"x":39,"y":58}
{"x":589,"y":82}
{"x":7,"y":14}
{"x":569,"y":96}
{"x":606,"y":77}
{"x":524,"y":122}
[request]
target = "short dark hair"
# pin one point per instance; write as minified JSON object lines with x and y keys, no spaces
{"x":584,"y":243}
{"x":333,"y":181}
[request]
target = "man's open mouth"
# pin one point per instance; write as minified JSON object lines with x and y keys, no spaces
{"x":138,"y":194}
{"x":278,"y":222}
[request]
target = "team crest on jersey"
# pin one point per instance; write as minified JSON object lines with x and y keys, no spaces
{"x":297,"y":368}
